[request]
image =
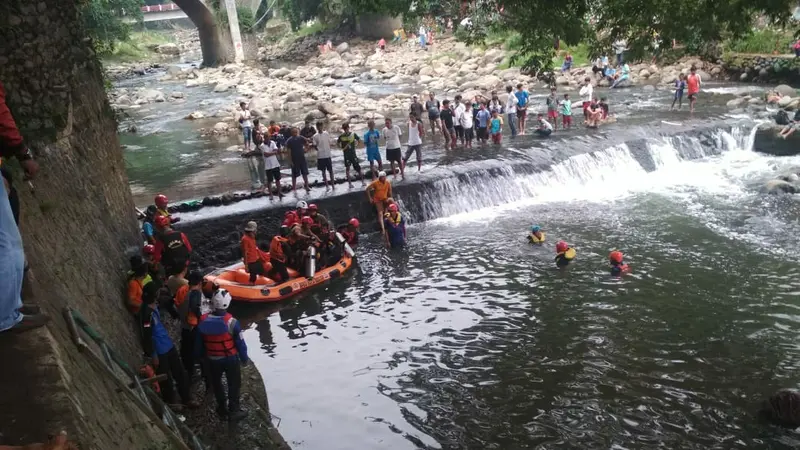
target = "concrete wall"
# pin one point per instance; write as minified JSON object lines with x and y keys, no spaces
{"x":377,"y":26}
{"x":249,"y":44}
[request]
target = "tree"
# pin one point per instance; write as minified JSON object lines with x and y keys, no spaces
{"x":203,"y":19}
{"x":103,"y":20}
{"x":334,"y":11}
{"x":78,"y":227}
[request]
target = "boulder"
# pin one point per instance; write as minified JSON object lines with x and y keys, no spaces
{"x":293,"y":97}
{"x":795,"y":105}
{"x":763,"y":72}
{"x":780,"y":187}
{"x":315,"y":115}
{"x":222,"y":86}
{"x":328,"y":82}
{"x":330,"y":108}
{"x":562,"y":80}
{"x":174,"y":70}
{"x":427,"y":70}
{"x":260,"y":106}
{"x":744,"y":76}
{"x":754,"y":101}
{"x":168,"y":49}
{"x":221,"y":126}
{"x":653,"y":69}
{"x":343,"y":47}
{"x":735,"y":103}
{"x":176,"y":94}
{"x":195,"y":115}
{"x":785,"y":101}
{"x":644,"y":73}
{"x":280,"y":73}
{"x":360,"y":90}
{"x":649,"y":88}
{"x":493,"y":56}
{"x":338,"y":72}
{"x":716,"y":71}
{"x":230,"y":68}
{"x":784,"y":89}
{"x":123,"y":100}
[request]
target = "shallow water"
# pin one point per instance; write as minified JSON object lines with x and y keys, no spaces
{"x":471,"y":339}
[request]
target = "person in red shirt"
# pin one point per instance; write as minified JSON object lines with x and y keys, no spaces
{"x":13,"y":315}
{"x":693,"y":83}
{"x":173,"y":249}
{"x":253,"y":257}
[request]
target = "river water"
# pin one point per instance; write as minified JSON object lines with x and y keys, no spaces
{"x":470,"y":338}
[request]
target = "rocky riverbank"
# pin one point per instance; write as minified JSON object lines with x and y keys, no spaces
{"x":762,"y":68}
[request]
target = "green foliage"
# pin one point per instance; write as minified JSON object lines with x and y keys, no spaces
{"x":338,"y":11}
{"x":765,"y":40}
{"x":313,"y":28}
{"x":138,"y":47}
{"x":247,"y":19}
{"x":103,"y":20}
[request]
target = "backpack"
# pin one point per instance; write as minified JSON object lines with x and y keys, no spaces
{"x":782,"y":117}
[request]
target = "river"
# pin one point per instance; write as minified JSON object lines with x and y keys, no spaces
{"x":471,"y":339}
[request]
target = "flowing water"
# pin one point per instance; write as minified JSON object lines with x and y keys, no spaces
{"x":471,"y":339}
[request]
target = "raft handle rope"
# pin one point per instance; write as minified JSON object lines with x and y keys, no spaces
{"x":136,"y":391}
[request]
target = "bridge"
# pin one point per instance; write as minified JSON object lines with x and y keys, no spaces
{"x":157,"y":13}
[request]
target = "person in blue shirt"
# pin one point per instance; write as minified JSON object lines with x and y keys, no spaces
{"x":680,"y":86}
{"x":483,"y":118}
{"x":371,"y":138}
{"x":395,"y":227}
{"x":219,"y":340}
{"x":147,"y":224}
{"x":522,"y":107}
{"x":157,"y":345}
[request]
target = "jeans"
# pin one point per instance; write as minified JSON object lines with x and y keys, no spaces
{"x":512,"y":123}
{"x":170,"y":365}
{"x":233,"y":374}
{"x":12,"y":264}
{"x":258,"y":176}
{"x":188,"y":338}
{"x":247,"y":132}
{"x":620,"y":58}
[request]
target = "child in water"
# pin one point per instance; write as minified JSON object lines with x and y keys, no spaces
{"x":618,"y":267}
{"x":564,"y":254}
{"x":536,"y":235}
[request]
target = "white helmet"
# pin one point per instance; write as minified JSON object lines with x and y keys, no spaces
{"x":222,"y":299}
{"x":381,"y":174}
{"x":302,"y":204}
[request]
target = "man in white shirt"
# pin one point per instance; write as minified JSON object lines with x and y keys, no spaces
{"x":246,"y":122}
{"x":586,"y":93}
{"x":272,"y":166}
{"x":466,"y":123}
{"x":322,"y":142}
{"x":391,"y":134}
{"x":620,"y":45}
{"x":459,"y":111}
{"x":415,"y":133}
{"x":545,"y":129}
{"x":511,"y":110}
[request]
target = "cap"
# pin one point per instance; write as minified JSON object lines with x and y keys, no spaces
{"x":251,"y":226}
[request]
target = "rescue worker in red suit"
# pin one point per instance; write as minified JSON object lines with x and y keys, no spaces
{"x":13,"y":315}
{"x":618,"y":266}
{"x":173,"y":249}
{"x":219,"y":340}
{"x":161,"y":203}
{"x":350,"y":231}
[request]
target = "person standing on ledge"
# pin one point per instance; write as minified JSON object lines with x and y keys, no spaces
{"x":371,"y":138}
{"x":511,"y":110}
{"x":347,"y":142}
{"x":322,"y":142}
{"x":297,"y":151}
{"x":394,"y":153}
{"x":416,"y":131}
{"x":693,"y":83}
{"x":246,"y":122}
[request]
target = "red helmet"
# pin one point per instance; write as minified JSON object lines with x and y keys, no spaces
{"x":393,"y":208}
{"x":161,"y":201}
{"x":312,"y":207}
{"x":561,"y":247}
{"x":149,"y":249}
{"x":354,"y":222}
{"x":615,"y":257}
{"x":161,"y":221}
{"x":290,"y":218}
{"x":307,"y":221}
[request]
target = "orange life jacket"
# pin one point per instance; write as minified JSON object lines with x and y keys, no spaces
{"x":182,"y":303}
{"x":276,"y":249}
{"x":220,"y":345}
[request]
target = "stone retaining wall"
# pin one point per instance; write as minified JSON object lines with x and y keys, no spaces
{"x":762,"y":69}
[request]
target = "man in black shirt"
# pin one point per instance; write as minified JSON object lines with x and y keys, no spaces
{"x":448,"y":125}
{"x":416,"y":107}
{"x":308,"y":131}
{"x":297,"y":151}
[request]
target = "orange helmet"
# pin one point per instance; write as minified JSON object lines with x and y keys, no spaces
{"x":561,"y":247}
{"x":161,"y":201}
{"x":615,"y":257}
{"x":161,"y":221}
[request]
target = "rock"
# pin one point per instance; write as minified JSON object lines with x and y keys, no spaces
{"x":603,"y":83}
{"x":230,"y":68}
{"x":330,"y":108}
{"x":360,"y":90}
{"x":176,"y":94}
{"x":644,"y":73}
{"x":493,"y":56}
{"x":780,"y":187}
{"x":653,"y":69}
{"x":338,"y":73}
{"x":328,"y":82}
{"x":220,"y":126}
{"x":174,"y":70}
{"x":716,"y":71}
{"x":397,"y":79}
{"x":168,"y":49}
{"x":784,"y":101}
{"x":562,"y":80}
{"x":195,"y":115}
{"x":744,"y":76}
{"x":315,"y":115}
{"x":293,"y":97}
{"x":784,"y":89}
{"x":427,"y":70}
{"x":735,"y":103}
{"x":795,"y":105}
{"x":123,"y":100}
{"x":149,"y":95}
{"x":222,"y":86}
{"x":280,"y":73}
{"x":343,"y":47}
{"x":763,"y":73}
{"x":754,"y":101}
{"x":131,"y":128}
{"x":649,"y":88}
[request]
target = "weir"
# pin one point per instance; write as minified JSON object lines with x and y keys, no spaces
{"x":444,"y":191}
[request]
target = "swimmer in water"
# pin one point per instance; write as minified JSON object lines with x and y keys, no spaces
{"x":536,"y":236}
{"x":618,"y":267}
{"x":564,"y":254}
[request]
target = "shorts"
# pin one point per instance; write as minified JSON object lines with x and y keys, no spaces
{"x":350,"y":159}
{"x":373,"y":154}
{"x":693,"y":96}
{"x":544,"y":133}
{"x":324,"y":164}
{"x":497,"y":138}
{"x":460,"y":131}
{"x":433,"y":117}
{"x":469,"y":134}
{"x":414,"y":149}
{"x":273,"y":175}
{"x":394,"y":154}
{"x":483,"y":133}
{"x":522,"y":113}
{"x":679,"y":94}
{"x":383,"y":47}
{"x":299,"y":168}
{"x":552,"y":114}
{"x":566,"y":120}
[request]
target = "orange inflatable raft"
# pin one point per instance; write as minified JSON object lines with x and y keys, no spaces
{"x":237,"y":281}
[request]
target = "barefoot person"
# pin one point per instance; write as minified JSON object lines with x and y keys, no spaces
{"x":371,"y":138}
{"x":416,"y":131}
{"x":272,"y":167}
{"x":522,"y":106}
{"x":297,"y":150}
{"x":394,"y":154}
{"x":322,"y":142}
{"x":347,"y":142}
{"x":378,"y":192}
{"x":693,"y":83}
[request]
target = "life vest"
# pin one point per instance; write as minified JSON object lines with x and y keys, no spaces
{"x":276,"y":249}
{"x":175,"y":251}
{"x":394,"y":220}
{"x":188,"y":319}
{"x":163,"y":212}
{"x":566,"y":257}
{"x":619,"y":269}
{"x":536,"y":240}
{"x":220,"y":345}
{"x":135,"y":302}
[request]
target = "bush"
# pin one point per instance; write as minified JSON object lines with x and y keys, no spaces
{"x":766,"y":41}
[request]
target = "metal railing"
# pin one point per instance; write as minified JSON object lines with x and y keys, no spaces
{"x":140,"y":393}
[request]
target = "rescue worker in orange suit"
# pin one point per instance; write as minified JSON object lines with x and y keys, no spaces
{"x":219,"y":339}
{"x":278,"y":249}
{"x":138,"y":278}
{"x":378,"y":192}
{"x":161,"y":202}
{"x":157,"y":344}
{"x":618,"y":266}
{"x":188,"y":300}
{"x":253,"y":257}
{"x":172,"y":247}
{"x":321,"y":225}
{"x":350,"y":231}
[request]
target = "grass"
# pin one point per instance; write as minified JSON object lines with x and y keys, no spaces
{"x":137,"y":47}
{"x":309,"y":29}
{"x":764,"y":41}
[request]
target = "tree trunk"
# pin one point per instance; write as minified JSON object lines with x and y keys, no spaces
{"x":78,"y":227}
{"x":210,"y":43}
